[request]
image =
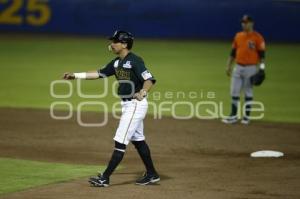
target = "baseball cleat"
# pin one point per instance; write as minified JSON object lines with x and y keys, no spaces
{"x":230,"y":120}
{"x":245,"y":120}
{"x":99,"y":181}
{"x":147,"y":179}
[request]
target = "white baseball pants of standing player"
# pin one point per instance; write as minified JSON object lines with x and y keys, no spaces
{"x":131,"y":127}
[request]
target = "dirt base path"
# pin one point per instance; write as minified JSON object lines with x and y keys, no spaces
{"x":195,"y":158}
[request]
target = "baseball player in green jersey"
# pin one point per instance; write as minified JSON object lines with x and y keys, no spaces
{"x":135,"y":82}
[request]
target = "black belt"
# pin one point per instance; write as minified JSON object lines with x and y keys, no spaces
{"x":126,"y":99}
{"x":243,"y":65}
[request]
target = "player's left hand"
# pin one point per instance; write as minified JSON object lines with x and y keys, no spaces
{"x":228,"y":71}
{"x":68,"y":76}
{"x":140,"y":95}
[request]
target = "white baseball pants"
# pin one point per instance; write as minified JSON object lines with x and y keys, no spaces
{"x":131,"y":127}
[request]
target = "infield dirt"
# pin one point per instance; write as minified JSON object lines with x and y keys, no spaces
{"x":195,"y":158}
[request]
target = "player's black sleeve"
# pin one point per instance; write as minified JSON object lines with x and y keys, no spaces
{"x":261,"y":54}
{"x":108,"y":70}
{"x":233,"y":53}
{"x":141,"y":71}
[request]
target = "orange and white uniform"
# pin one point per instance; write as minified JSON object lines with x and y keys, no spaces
{"x":248,"y":49}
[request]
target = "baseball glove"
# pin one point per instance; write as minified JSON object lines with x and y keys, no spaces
{"x":258,"y":78}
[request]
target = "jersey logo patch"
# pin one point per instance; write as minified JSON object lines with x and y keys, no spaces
{"x":116,"y":64}
{"x":251,"y":45}
{"x":146,"y":75}
{"x":127,"y":65}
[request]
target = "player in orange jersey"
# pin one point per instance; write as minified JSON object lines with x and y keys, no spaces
{"x":248,"y":52}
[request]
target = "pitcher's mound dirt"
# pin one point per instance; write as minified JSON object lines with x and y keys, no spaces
{"x":195,"y":158}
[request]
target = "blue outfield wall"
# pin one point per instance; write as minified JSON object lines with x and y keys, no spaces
{"x":277,"y":20}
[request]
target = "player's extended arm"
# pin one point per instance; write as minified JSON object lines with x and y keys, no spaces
{"x":143,"y":92}
{"x":230,"y":62}
{"x":90,"y":75}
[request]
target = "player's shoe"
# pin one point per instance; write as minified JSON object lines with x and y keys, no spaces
{"x":230,"y":120}
{"x":245,"y":120}
{"x":99,"y":181}
{"x":147,"y":179}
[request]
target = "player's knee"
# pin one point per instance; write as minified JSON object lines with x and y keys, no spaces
{"x":139,"y":144}
{"x":120,"y":147}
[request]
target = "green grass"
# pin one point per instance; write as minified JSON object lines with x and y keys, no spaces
{"x":28,"y":65}
{"x":17,"y":175}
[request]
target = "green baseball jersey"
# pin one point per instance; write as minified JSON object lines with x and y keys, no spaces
{"x":131,"y":73}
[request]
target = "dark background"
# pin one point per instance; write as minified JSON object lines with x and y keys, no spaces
{"x":277,"y":20}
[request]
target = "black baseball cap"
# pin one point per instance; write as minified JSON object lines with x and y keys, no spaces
{"x":246,"y":19}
